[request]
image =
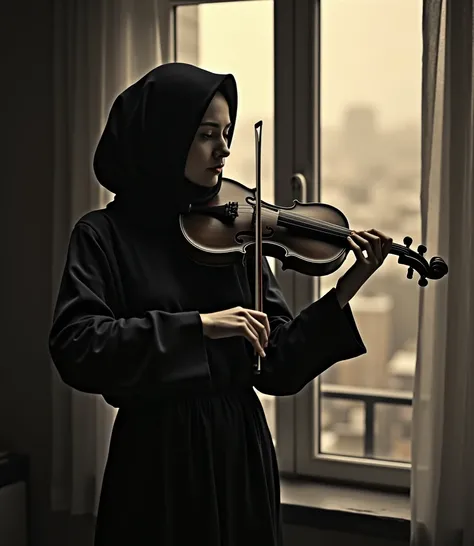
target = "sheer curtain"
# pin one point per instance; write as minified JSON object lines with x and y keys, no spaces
{"x":443,"y":427}
{"x":101,"y":46}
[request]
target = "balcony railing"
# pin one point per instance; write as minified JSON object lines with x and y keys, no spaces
{"x":369,"y":397}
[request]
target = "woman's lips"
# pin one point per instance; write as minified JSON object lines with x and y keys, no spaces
{"x":216,"y":170}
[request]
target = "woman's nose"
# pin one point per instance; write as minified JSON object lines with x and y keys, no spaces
{"x":223,"y":150}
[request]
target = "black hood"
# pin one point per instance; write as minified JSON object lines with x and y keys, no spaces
{"x":141,"y":155}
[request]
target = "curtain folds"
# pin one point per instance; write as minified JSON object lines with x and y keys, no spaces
{"x":443,"y":425}
{"x":101,"y":47}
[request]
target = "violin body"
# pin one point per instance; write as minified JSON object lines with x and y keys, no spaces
{"x":310,"y":238}
{"x":215,"y":240}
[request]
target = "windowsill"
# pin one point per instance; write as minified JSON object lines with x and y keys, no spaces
{"x":352,"y":509}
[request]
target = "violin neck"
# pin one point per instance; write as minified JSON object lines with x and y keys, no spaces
{"x":324,"y":231}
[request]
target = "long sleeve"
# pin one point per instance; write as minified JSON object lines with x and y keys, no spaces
{"x":94,"y":351}
{"x":301,"y":348}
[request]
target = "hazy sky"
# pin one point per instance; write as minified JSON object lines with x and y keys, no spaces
{"x":371,"y":53}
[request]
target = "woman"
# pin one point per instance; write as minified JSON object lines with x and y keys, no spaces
{"x":171,"y":343}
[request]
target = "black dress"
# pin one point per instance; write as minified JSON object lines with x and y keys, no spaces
{"x":191,"y":458}
{"x":191,"y":454}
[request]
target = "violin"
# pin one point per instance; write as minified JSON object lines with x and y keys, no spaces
{"x":310,"y":238}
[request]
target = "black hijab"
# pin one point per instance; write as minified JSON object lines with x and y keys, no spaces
{"x":141,"y":155}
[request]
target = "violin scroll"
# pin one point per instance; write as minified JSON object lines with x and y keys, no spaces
{"x":435,"y":269}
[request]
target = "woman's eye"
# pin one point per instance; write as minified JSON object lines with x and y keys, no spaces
{"x":207,"y":136}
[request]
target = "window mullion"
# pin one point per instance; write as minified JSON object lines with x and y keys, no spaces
{"x":284,"y":168}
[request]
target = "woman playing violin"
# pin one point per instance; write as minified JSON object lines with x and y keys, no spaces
{"x":171,"y":342}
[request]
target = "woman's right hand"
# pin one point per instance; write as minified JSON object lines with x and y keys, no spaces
{"x":238,"y":321}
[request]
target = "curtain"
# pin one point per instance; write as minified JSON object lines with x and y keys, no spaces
{"x":101,"y":47}
{"x":443,"y":423}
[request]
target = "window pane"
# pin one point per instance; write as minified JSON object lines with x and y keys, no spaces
{"x":342,"y":427}
{"x":237,"y":37}
{"x":371,"y":53}
{"x":392,"y":438}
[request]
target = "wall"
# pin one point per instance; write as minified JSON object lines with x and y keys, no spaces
{"x":26,"y":30}
{"x":305,"y":536}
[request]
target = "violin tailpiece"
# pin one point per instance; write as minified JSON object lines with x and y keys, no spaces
{"x":226,"y":213}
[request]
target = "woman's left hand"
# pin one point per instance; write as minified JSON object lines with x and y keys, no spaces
{"x":377,"y":246}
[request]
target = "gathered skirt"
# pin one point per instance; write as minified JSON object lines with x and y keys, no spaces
{"x":195,"y":470}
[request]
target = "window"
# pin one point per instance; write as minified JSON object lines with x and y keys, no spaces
{"x":338,"y":85}
{"x":368,"y":135}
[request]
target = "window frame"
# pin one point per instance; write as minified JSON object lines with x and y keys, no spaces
{"x":297,"y":150}
{"x":372,"y":472}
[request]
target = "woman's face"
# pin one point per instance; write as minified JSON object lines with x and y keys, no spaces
{"x":209,"y":149}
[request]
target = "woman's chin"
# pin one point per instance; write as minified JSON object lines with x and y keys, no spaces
{"x":206,"y":178}
{"x":208,"y":181}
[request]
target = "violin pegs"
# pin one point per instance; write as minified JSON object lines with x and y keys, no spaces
{"x":423,"y":282}
{"x":407,"y":241}
{"x":410,"y":273}
{"x":421,"y":249}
